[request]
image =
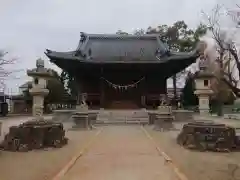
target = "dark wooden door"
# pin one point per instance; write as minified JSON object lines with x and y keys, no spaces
{"x":122,"y":99}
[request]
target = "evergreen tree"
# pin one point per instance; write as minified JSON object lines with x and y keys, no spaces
{"x":188,"y":97}
{"x":179,"y":37}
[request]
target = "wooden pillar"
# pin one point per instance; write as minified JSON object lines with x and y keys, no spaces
{"x":143,"y":101}
{"x":143,"y":94}
{"x":102,"y":92}
{"x":79,"y":93}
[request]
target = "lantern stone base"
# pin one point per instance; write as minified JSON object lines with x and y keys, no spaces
{"x":203,"y":100}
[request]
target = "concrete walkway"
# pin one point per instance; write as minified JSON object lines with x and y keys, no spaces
{"x":121,"y":152}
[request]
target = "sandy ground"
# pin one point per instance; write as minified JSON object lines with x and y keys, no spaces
{"x":40,"y":164}
{"x":199,"y":165}
{"x":121,"y":152}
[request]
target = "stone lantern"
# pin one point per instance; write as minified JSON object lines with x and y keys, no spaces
{"x":203,"y":86}
{"x":40,"y":75}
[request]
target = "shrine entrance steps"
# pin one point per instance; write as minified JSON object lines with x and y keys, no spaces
{"x":118,"y":105}
{"x":121,"y":117}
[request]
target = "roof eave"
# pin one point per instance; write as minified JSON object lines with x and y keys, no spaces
{"x":172,"y":56}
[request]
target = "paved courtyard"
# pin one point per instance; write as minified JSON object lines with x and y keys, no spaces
{"x":40,"y":164}
{"x":118,"y":152}
{"x":121,"y":152}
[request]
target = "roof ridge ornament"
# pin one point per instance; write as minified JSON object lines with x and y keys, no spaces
{"x":83,"y":36}
{"x":160,"y":53}
{"x":48,"y":51}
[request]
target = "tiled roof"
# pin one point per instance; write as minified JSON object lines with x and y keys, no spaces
{"x":25,"y":85}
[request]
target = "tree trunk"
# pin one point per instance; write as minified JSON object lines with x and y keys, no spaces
{"x":220,"y":91}
{"x":219,"y":105}
{"x":234,"y":89}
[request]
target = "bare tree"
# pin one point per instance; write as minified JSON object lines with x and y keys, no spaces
{"x":225,"y":46}
{"x":120,"y":32}
{"x":4,"y":73}
{"x":139,"y":32}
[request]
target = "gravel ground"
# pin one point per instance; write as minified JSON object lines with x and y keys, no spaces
{"x":40,"y":164}
{"x":198,"y":165}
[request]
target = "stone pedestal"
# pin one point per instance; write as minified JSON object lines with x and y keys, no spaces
{"x":63,"y":115}
{"x":152,"y":117}
{"x":84,"y":120}
{"x":163,"y":118}
{"x":82,"y":107}
{"x":183,"y":115}
{"x":203,"y":91}
{"x":81,"y":120}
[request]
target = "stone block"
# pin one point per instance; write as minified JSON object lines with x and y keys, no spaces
{"x":183,"y":115}
{"x":62,"y":115}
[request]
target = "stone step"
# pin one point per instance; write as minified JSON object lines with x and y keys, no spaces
{"x":121,"y":122}
{"x":122,"y":117}
{"x":125,"y":119}
{"x":232,"y":116}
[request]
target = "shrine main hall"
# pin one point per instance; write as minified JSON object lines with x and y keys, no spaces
{"x":122,"y":71}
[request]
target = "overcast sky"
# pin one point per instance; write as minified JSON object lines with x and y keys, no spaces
{"x":28,"y":27}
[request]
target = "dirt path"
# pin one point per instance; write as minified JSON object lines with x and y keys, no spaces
{"x":121,"y":152}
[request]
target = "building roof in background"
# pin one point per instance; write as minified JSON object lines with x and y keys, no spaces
{"x":25,"y":85}
{"x":115,"y":48}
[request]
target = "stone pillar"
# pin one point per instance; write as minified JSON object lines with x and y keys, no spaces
{"x":39,"y":90}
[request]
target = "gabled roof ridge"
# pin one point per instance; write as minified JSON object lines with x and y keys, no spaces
{"x":119,"y":36}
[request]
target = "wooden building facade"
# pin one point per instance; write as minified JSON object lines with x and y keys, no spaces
{"x":122,"y":71}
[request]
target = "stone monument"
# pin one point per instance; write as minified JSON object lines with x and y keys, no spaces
{"x":83,"y":105}
{"x":83,"y":118}
{"x":163,"y":117}
{"x":39,"y":90}
{"x":203,"y":85}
